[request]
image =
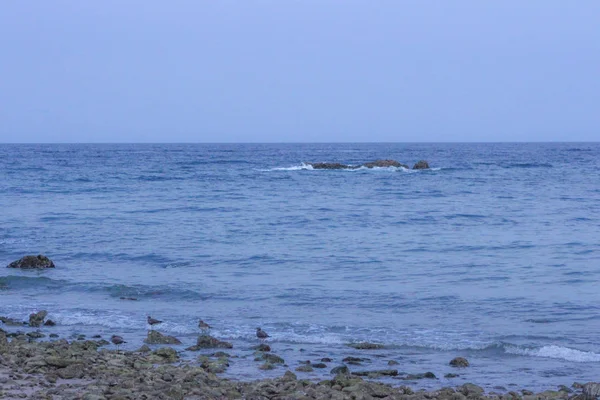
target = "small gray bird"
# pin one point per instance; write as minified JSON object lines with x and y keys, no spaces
{"x":153,"y":321}
{"x":262,"y":335}
{"x":204,"y":326}
{"x":117,"y":341}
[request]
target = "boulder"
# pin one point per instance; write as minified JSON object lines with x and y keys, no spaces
{"x":377,"y":373}
{"x":421,"y":165}
{"x":384,"y":164}
{"x":36,"y":319}
{"x":29,"y":262}
{"x":155,"y":337}
{"x":304,"y":368}
{"x":164,"y":355}
{"x":270,"y":358}
{"x":342,"y":369}
{"x":459,"y":362}
{"x":366,"y":346}
{"x":49,"y":323}
{"x":330,"y":166}
{"x":11,"y":321}
{"x":209,"y":342}
{"x":3,"y":342}
{"x":469,"y":389}
{"x":262,"y":347}
{"x":591,"y":391}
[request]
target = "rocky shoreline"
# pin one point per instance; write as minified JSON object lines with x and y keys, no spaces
{"x":82,"y":369}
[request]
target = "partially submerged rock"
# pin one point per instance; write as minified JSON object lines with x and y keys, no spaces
{"x":155,"y":337}
{"x":366,"y":346}
{"x":209,"y":342}
{"x":164,"y":355}
{"x":11,"y":321}
{"x":36,"y":319}
{"x":32,"y":262}
{"x":421,"y":165}
{"x":459,"y":362}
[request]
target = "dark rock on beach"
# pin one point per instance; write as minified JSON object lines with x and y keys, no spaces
{"x":155,"y":337}
{"x":32,"y":262}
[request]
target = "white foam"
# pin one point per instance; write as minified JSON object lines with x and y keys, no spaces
{"x":553,"y":351}
{"x":302,"y":166}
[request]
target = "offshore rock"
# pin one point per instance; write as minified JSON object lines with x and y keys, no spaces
{"x":32,"y":262}
{"x":342,"y":369}
{"x":459,"y":362}
{"x":209,"y":342}
{"x":331,"y":166}
{"x":36,"y":319}
{"x":155,"y":337}
{"x":385,"y":164}
{"x":366,"y":346}
{"x":421,"y":165}
{"x":11,"y":321}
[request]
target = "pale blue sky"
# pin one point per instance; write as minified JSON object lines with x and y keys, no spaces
{"x":299,"y":70}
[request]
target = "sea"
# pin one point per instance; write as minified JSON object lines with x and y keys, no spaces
{"x":493,"y":254}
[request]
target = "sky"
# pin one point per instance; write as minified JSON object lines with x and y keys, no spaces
{"x":299,"y":71}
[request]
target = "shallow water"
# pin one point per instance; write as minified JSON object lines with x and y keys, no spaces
{"x":492,"y":255}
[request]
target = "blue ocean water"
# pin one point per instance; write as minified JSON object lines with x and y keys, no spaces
{"x":493,"y":255}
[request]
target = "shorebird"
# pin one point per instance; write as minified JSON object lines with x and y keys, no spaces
{"x":153,"y":321}
{"x":262,"y":335}
{"x":117,"y":340}
{"x":204,"y":326}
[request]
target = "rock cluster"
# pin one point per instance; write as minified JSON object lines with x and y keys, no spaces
{"x":79,"y":370}
{"x":374,"y":164}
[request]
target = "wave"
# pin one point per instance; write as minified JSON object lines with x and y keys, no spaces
{"x":554,"y":351}
{"x":308,"y":167}
{"x":528,"y":165}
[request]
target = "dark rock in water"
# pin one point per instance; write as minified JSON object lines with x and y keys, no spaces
{"x":267,"y":366}
{"x":49,"y":323}
{"x":526,"y":392}
{"x":342,"y":369}
{"x":354,"y":360}
{"x":326,"y":359}
{"x":377,"y":373}
{"x":330,"y":166}
{"x":29,"y":262}
{"x":591,"y":391}
{"x":366,"y":346}
{"x":393,"y":362}
{"x":36,"y":319}
{"x":319,"y":365}
{"x":459,"y":362}
{"x":304,"y":368}
{"x":262,"y":347}
{"x":421,"y":165}
{"x":426,"y":375}
{"x":384,"y":164}
{"x":11,"y":322}
{"x":209,"y":342}
{"x":155,"y":337}
{"x":448,"y":376}
{"x":270,"y":358}
{"x":36,"y":335}
{"x":128,"y":298}
{"x":53,"y":335}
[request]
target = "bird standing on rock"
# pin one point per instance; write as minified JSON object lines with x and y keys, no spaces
{"x":153,"y":321}
{"x":204,"y":326}
{"x":117,"y":340}
{"x":262,"y":335}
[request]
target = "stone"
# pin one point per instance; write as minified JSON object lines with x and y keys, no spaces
{"x":3,"y":342}
{"x":144,"y":349}
{"x":459,"y":362}
{"x":11,"y":322}
{"x":209,"y":342}
{"x":421,"y":165}
{"x":319,"y":365}
{"x":342,"y":369}
{"x":470,"y":389}
{"x":271,"y":358}
{"x":591,"y":391}
{"x":32,"y":262}
{"x":36,"y":319}
{"x":377,"y":373}
{"x":366,"y":346}
{"x":324,"y":165}
{"x":393,"y":362}
{"x":304,"y":368}
{"x":36,"y":335}
{"x":326,"y":359}
{"x":449,"y":376}
{"x":164,"y":355}
{"x":155,"y":337}
{"x":262,"y":347}
{"x":266,"y":366}
{"x":384,"y":164}
{"x":49,"y":322}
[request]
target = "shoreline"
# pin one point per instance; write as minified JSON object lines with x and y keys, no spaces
{"x":81,"y":369}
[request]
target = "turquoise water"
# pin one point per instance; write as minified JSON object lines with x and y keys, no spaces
{"x":494,"y":254}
